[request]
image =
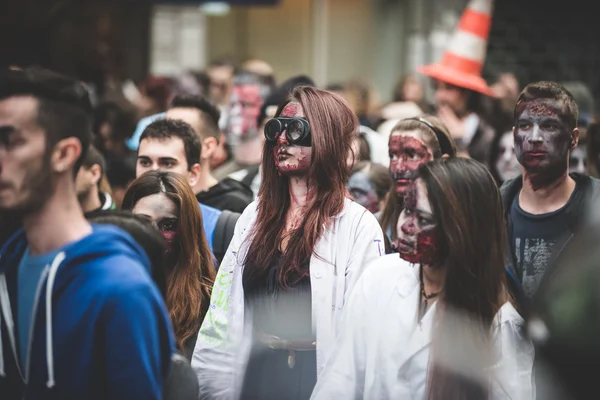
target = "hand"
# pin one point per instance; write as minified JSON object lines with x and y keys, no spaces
{"x":455,"y":125}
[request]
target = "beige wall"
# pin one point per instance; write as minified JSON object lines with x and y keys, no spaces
{"x":289,"y":37}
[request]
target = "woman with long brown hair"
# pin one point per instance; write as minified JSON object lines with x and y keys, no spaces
{"x":413,"y":142}
{"x":437,"y":321}
{"x":168,"y":201}
{"x":294,"y":258}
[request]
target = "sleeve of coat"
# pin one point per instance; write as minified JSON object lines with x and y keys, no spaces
{"x":214,"y":359}
{"x":367,"y":245}
{"x":513,"y":373}
{"x":344,"y":374}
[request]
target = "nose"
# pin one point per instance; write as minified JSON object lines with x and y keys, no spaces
{"x":282,"y":138}
{"x":408,"y":228}
{"x":536,"y":136}
{"x":507,"y":155}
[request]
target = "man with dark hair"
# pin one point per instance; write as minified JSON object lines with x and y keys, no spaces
{"x":68,"y":288}
{"x":228,"y":194}
{"x":88,"y":181}
{"x":547,"y":206}
{"x":173,"y":145}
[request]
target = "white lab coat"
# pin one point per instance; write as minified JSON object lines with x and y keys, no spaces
{"x":342,"y":252}
{"x":383,"y":352}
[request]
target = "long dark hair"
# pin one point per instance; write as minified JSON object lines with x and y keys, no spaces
{"x":469,"y":214}
{"x":190,"y":281}
{"x":394,"y":204}
{"x":333,"y":127}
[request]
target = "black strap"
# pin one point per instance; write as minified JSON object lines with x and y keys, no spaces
{"x":223,"y":233}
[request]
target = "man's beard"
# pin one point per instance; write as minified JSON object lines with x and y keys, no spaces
{"x":39,"y":186}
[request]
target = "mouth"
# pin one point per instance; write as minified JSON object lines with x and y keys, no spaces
{"x":404,"y":246}
{"x":536,"y":153}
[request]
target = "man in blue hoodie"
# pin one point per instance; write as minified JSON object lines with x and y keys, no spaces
{"x":80,"y":317}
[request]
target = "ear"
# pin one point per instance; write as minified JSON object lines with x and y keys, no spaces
{"x":574,"y":139}
{"x":209,"y":146}
{"x":65,"y":154}
{"x":96,"y":173}
{"x":194,"y":175}
{"x":445,"y":156}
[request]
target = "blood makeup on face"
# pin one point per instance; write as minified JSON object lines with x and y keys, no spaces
{"x":417,"y":234}
{"x":363,"y":192}
{"x":542,"y":141}
{"x":291,"y":159}
{"x":407,"y":154}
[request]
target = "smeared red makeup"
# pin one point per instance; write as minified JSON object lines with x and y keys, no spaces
{"x":291,"y":159}
{"x":417,"y":234}
{"x":290,"y":110}
{"x":407,"y":154}
{"x":542,"y":141}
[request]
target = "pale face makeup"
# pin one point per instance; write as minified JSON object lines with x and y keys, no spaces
{"x":507,"y":165}
{"x":159,"y":209}
{"x":363,"y":192}
{"x":291,"y":159}
{"x":416,"y":227}
{"x":543,"y":141}
{"x":578,"y":160}
{"x":408,"y":152}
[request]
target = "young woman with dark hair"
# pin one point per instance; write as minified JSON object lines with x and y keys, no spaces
{"x":413,"y":142}
{"x":436,"y":322}
{"x":294,"y":258}
{"x":167,"y":200}
{"x":180,"y":383}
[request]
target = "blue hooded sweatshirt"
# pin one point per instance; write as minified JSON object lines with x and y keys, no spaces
{"x":101,"y":329}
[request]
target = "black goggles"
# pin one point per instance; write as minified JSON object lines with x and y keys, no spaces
{"x":297,"y":130}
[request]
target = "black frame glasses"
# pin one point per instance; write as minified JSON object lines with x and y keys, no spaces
{"x":297,"y":130}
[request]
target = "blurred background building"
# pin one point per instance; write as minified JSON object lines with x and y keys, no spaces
{"x":376,"y":41}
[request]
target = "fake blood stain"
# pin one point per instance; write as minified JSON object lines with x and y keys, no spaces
{"x":408,"y":154}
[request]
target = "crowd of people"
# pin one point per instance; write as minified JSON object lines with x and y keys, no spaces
{"x":223,"y":235}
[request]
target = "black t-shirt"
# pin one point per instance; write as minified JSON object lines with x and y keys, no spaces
{"x":536,"y":239}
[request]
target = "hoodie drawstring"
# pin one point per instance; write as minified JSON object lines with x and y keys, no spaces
{"x":8,"y":321}
{"x":2,"y":372}
{"x":60,"y":257}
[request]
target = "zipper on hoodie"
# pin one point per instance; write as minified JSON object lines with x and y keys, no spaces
{"x":33,"y":317}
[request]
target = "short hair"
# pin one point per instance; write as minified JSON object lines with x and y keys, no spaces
{"x":550,"y":91}
{"x":94,"y":157}
{"x":209,"y":113}
{"x":64,"y":107}
{"x":165,"y":128}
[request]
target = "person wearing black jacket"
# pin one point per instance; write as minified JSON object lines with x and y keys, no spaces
{"x":546,"y":206}
{"x":203,"y":116}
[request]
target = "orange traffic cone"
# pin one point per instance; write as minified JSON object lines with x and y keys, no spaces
{"x":463,"y":60}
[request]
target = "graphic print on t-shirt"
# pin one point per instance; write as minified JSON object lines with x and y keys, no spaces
{"x":533,"y":257}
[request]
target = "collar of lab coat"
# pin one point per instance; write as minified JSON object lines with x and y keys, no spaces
{"x":408,"y":288}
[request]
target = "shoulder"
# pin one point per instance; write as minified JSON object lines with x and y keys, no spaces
{"x":508,"y":319}
{"x":356,"y":214}
{"x":389,"y":271}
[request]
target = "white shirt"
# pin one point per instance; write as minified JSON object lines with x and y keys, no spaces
{"x":383,"y":351}
{"x":341,"y":254}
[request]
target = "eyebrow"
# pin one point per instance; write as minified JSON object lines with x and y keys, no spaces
{"x":160,"y":159}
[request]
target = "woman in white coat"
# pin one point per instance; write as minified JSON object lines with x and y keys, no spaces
{"x":295,"y":255}
{"x":436,"y":321}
